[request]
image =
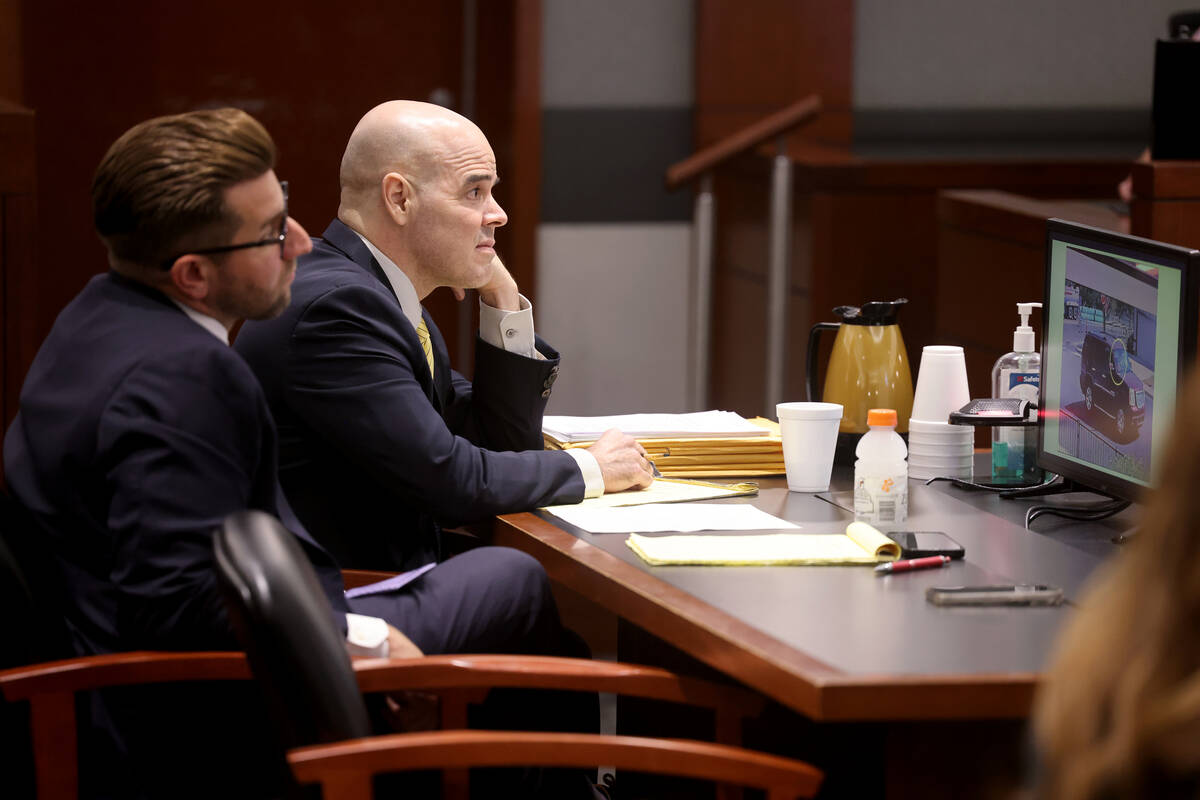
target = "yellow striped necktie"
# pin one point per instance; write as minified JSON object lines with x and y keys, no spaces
{"x":426,"y":344}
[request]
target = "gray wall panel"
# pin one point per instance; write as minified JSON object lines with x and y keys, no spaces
{"x":613,"y":300}
{"x":617,"y":53}
{"x":1006,"y":53}
{"x":607,"y":165}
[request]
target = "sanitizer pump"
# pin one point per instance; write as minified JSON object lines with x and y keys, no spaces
{"x":1017,"y":374}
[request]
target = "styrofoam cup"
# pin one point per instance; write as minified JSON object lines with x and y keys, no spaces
{"x":925,"y":427}
{"x":923,"y":473}
{"x":945,"y":436}
{"x":941,"y":383}
{"x":940,"y":451}
{"x":951,"y":462}
{"x":809,"y":432}
{"x":941,"y":447}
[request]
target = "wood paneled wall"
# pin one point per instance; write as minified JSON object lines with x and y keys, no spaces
{"x":752,"y":60}
{"x":10,"y":50}
{"x":17,"y":252}
{"x":755,"y":58}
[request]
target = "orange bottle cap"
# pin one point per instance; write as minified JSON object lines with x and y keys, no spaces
{"x":882,"y":416}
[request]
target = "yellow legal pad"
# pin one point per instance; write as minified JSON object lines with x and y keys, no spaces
{"x":860,"y":544}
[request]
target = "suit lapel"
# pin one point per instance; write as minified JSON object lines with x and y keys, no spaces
{"x":341,"y":237}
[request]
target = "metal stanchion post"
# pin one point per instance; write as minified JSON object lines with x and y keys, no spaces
{"x":702,"y":258}
{"x":779,"y":234}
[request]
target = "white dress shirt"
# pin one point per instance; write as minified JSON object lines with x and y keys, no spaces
{"x":205,"y":321}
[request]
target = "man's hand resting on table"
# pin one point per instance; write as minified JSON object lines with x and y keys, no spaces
{"x":622,"y":462}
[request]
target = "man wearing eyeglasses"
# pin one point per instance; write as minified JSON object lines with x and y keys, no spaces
{"x":381,"y":442}
{"x":140,"y":429}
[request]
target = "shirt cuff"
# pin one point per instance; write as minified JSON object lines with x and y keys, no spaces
{"x":593,"y":480}
{"x":366,"y":636}
{"x":509,"y":330}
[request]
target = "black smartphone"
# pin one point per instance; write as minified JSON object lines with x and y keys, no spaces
{"x":995,"y":411}
{"x":919,"y":544}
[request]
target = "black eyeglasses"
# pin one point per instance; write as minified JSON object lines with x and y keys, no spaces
{"x":280,"y":238}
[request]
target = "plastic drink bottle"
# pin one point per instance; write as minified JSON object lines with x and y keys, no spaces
{"x":881,"y":471}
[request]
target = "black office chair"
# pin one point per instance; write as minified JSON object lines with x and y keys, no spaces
{"x":27,"y":635}
{"x":296,"y":651}
{"x":285,"y":623}
{"x":30,"y":590}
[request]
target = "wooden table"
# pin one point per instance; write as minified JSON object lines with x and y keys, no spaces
{"x":838,"y":644}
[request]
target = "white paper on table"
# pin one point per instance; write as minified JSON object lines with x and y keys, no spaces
{"x":680,"y":517}
{"x":700,"y":424}
{"x":663,"y":490}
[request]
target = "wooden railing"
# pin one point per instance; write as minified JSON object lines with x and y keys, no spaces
{"x":700,"y":166}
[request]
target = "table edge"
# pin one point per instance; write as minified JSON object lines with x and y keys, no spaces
{"x":754,"y":658}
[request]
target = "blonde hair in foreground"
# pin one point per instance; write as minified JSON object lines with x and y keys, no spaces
{"x":1119,"y":715}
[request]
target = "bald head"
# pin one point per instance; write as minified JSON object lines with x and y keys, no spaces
{"x":402,"y":136}
{"x":417,"y":183}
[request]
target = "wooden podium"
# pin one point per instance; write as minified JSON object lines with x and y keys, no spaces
{"x":1166,"y":202}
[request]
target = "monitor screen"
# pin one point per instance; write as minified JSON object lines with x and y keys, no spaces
{"x":1119,"y":327}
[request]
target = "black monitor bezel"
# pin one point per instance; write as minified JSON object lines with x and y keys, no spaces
{"x":1188,"y":261}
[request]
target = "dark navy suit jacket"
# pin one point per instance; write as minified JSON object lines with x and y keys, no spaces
{"x":138,"y":432}
{"x":374,"y":453}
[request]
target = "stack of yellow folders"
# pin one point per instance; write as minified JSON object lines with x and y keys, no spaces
{"x":701,"y":445}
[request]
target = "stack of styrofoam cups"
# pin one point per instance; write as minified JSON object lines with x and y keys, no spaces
{"x":935,"y":447}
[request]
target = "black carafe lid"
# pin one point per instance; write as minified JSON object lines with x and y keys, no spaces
{"x":876,"y":312}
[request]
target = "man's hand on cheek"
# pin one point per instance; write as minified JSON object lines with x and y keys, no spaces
{"x":500,"y":291}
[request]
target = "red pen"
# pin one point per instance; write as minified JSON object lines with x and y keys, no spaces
{"x":912,"y":563}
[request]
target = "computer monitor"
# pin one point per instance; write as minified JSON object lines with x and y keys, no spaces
{"x":1119,"y":330}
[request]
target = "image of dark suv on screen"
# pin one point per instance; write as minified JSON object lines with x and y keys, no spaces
{"x":1109,"y":384}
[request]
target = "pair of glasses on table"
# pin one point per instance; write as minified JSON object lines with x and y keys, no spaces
{"x":279,"y":239}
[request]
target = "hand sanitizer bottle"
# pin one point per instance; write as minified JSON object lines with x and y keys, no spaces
{"x":1017,"y":374}
{"x":881,"y":471}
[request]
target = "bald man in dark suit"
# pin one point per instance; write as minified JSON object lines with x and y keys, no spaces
{"x":381,"y":442}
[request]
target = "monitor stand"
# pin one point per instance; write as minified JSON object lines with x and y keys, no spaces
{"x":1060,"y":485}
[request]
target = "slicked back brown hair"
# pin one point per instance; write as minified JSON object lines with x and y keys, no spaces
{"x":160,"y":189}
